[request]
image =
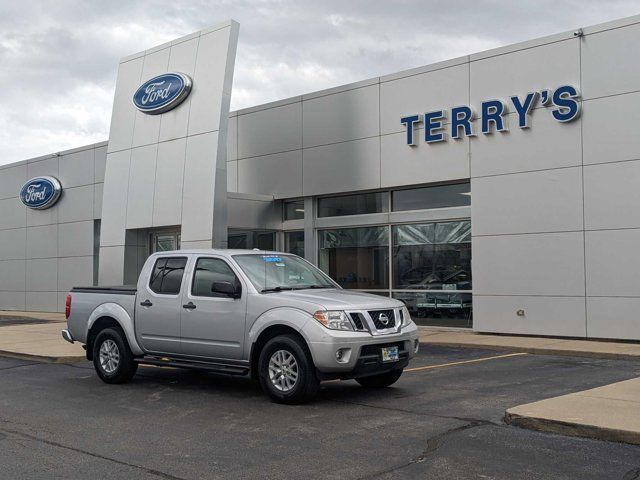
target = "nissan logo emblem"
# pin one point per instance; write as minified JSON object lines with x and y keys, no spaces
{"x":383,"y":319}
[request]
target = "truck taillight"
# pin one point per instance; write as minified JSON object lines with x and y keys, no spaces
{"x":67,"y":306}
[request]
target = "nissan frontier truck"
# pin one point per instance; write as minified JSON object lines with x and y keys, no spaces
{"x":270,"y":316}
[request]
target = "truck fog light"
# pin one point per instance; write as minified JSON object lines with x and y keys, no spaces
{"x":343,"y":355}
{"x":416,"y":345}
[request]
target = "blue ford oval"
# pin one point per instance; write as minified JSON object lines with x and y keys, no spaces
{"x":162,"y":93}
{"x":41,"y":192}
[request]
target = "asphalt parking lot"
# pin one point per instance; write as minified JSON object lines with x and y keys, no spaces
{"x":442,"y":420}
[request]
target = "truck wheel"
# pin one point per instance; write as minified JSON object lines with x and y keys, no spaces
{"x":112,"y":357}
{"x":380,"y":381}
{"x":286,"y":371}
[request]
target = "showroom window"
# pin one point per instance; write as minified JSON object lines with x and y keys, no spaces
{"x":356,"y":258}
{"x":440,"y":196}
{"x":293,"y":210}
{"x":431,"y":265}
{"x":363,"y":203}
{"x":250,"y":239}
{"x":294,"y":243}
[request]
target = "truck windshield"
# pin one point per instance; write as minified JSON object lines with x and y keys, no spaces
{"x":275,"y":273}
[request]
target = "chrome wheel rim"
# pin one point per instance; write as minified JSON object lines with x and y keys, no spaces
{"x":109,"y":356}
{"x":283,"y":370}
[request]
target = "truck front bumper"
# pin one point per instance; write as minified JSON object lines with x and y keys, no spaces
{"x":344,"y":354}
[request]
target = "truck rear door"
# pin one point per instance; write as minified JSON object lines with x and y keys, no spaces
{"x":159,"y":305}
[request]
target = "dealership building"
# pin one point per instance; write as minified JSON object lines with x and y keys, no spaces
{"x":498,"y":191}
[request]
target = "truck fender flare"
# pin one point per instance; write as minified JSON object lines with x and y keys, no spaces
{"x":286,"y":316}
{"x":120,"y":315}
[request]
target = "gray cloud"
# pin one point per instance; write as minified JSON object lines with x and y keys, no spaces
{"x":59,"y":59}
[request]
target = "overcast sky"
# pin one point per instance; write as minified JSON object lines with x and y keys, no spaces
{"x":58,"y":59}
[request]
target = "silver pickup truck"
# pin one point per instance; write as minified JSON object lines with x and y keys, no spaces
{"x":269,"y":315}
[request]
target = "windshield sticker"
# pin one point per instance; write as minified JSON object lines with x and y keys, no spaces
{"x":279,"y":264}
{"x":272,"y":259}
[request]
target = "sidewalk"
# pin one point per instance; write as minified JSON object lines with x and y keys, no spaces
{"x":540,"y":345}
{"x":609,"y":413}
{"x":40,"y":342}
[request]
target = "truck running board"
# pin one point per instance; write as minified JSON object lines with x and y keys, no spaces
{"x":208,"y":367}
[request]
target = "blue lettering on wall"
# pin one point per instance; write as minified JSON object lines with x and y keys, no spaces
{"x":434,"y":121}
{"x":492,"y":112}
{"x":564,"y":100}
{"x":409,"y":123}
{"x":568,"y":107}
{"x":523,"y":109}
{"x":461,"y":118}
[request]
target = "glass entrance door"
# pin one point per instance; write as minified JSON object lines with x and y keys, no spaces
{"x":165,"y":241}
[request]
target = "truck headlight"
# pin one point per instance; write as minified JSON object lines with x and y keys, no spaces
{"x":333,"y":319}
{"x":406,"y":317}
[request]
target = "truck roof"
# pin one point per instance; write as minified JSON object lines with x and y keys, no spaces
{"x":220,"y":251}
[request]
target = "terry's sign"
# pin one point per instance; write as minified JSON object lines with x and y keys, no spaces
{"x":162,"y":93}
{"x":41,"y":192}
{"x":459,"y":121}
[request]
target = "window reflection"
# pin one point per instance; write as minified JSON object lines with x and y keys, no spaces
{"x":437,"y":308}
{"x":356,"y":257}
{"x":433,"y":256}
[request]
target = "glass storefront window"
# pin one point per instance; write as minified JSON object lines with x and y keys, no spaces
{"x":432,"y":256}
{"x":356,"y":257}
{"x":446,"y":309}
{"x":249,"y":239}
{"x":294,"y":243}
{"x":457,"y":195}
{"x":293,"y":210}
{"x":377,"y":202}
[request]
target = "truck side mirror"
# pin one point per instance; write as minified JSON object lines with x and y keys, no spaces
{"x":226,"y":288}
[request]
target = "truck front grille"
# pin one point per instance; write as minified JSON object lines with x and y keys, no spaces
{"x":357,"y":320}
{"x":383,"y":319}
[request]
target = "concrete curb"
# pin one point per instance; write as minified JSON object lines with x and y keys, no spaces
{"x":42,"y":358}
{"x":538,"y":350}
{"x":572,"y":429}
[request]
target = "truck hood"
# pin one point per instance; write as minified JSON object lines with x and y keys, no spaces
{"x":336,"y":299}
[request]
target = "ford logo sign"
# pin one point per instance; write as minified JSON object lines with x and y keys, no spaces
{"x":162,"y":93}
{"x":41,"y":192}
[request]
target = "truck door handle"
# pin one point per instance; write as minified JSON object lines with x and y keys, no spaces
{"x":189,"y":306}
{"x":146,"y":303}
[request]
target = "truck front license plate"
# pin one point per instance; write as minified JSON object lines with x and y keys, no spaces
{"x":389,"y":354}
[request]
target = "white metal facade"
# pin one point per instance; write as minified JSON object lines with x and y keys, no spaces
{"x":555,"y":217}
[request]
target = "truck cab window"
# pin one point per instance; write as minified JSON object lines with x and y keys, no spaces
{"x":209,"y":271}
{"x":167,"y":275}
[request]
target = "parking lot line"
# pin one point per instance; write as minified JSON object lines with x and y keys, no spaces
{"x":462,"y":362}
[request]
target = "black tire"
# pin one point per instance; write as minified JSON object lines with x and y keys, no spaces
{"x":126,"y":367}
{"x":306,"y":384}
{"x":381,"y":381}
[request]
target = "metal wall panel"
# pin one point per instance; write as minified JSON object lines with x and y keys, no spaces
{"x":548,"y":315}
{"x":522,"y":71}
{"x":422,"y":93}
{"x":42,"y":242}
{"x":547,"y":144}
{"x":515,"y":203}
{"x":274,"y":130}
{"x":341,"y":116}
{"x":608,"y":65}
{"x":77,"y":169}
{"x":42,"y":275}
{"x":169,"y":178}
{"x":612,"y":262}
{"x":609,"y":129}
{"x":611,"y":195}
{"x":437,"y":162}
{"x":75,"y":239}
{"x":142,"y":176}
{"x":545,"y":264}
{"x":279,"y":175}
{"x":341,"y":167}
